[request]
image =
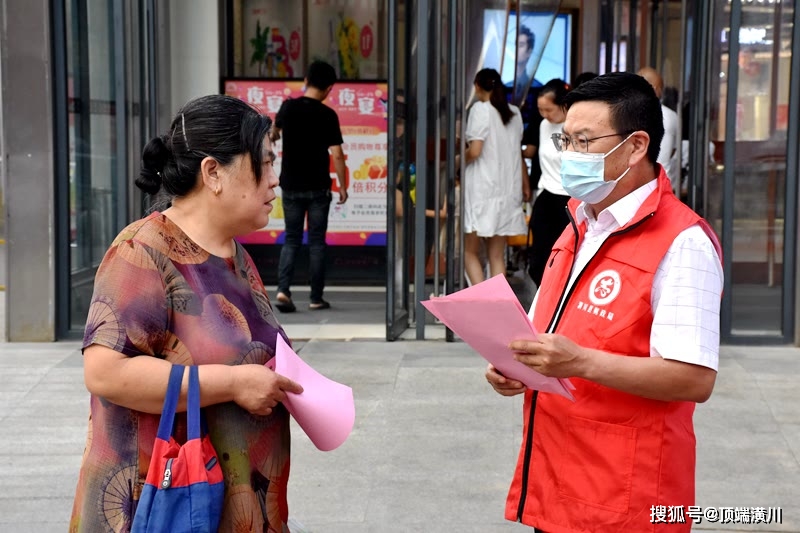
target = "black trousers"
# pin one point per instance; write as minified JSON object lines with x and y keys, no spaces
{"x":548,"y":220}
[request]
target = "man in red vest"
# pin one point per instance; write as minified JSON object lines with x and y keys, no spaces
{"x":629,"y":311}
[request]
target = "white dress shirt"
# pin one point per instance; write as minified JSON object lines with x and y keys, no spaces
{"x":669,"y":156}
{"x":550,"y":158}
{"x":687,"y":286}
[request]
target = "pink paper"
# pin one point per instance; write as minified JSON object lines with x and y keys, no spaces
{"x":488,"y":316}
{"x":325,"y":409}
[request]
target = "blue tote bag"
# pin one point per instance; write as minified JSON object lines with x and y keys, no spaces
{"x":184,"y":491}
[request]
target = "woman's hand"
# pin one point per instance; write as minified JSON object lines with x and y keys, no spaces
{"x":257,"y":389}
{"x":501,"y":384}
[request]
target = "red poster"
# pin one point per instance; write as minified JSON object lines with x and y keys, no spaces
{"x":361,"y":107}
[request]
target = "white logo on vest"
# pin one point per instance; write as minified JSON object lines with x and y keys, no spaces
{"x":605,"y":287}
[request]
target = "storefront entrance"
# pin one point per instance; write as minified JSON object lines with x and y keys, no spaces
{"x":739,"y":122}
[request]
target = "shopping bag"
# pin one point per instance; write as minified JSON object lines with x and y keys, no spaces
{"x":184,"y":489}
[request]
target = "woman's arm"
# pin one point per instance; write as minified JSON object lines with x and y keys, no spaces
{"x":140,"y":383}
{"x":526,"y":183}
{"x":529,"y":151}
{"x":473,"y":150}
{"x":398,"y":203}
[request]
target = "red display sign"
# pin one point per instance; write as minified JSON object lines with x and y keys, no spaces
{"x":294,"y":46}
{"x":367,"y":41}
{"x":361,"y":107}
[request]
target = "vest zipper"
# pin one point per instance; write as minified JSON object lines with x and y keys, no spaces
{"x":551,"y":328}
{"x":551,"y":325}
{"x":529,"y":441}
{"x":526,"y":466}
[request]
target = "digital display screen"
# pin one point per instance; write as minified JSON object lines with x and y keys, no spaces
{"x":549,"y":56}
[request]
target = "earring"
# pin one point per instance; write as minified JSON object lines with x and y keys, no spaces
{"x":217,"y":190}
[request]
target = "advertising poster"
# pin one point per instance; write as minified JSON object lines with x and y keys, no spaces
{"x":272,"y":39}
{"x":551,"y":36}
{"x":343,"y":33}
{"x":361,"y":107}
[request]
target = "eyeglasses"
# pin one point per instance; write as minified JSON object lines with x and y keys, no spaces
{"x":579,"y":141}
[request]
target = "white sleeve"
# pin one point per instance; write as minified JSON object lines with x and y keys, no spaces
{"x":478,"y":123}
{"x":669,"y":143}
{"x":686,"y":301}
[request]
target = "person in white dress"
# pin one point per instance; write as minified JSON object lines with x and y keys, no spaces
{"x":495,"y":180}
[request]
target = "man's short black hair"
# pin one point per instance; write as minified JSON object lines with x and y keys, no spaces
{"x":526,"y":31}
{"x":633,"y":105}
{"x":582,"y":78}
{"x":321,"y":75}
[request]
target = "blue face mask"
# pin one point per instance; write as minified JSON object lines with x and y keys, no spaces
{"x":583,"y":175}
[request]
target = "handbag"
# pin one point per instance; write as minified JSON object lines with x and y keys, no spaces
{"x":184,"y":490}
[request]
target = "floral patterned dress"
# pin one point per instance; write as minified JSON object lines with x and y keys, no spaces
{"x":158,"y":294}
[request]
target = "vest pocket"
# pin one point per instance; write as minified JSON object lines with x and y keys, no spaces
{"x":597,"y":464}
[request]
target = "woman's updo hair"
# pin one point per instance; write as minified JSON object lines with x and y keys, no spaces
{"x":217,"y":126}
{"x":557,"y":89}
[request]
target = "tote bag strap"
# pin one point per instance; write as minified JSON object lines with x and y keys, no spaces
{"x":193,"y":405}
{"x":170,"y":402}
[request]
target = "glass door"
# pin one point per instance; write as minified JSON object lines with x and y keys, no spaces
{"x":436,"y":48}
{"x":752,"y":176}
{"x":425,"y":106}
{"x":103,"y":77}
{"x":401,"y":178}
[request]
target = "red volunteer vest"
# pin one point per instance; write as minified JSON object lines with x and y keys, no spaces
{"x":600,"y":464}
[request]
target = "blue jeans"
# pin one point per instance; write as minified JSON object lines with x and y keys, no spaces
{"x":296,"y":205}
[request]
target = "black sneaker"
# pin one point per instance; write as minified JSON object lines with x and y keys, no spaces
{"x":316,"y":306}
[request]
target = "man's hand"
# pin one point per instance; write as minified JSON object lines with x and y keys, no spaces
{"x":552,"y":355}
{"x":342,"y":196}
{"x":501,"y":384}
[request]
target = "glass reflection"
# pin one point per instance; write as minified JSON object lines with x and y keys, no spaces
{"x":92,"y":157}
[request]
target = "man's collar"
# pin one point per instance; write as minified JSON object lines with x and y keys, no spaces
{"x":623,"y":210}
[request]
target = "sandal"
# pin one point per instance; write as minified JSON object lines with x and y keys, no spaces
{"x":316,"y":306}
{"x":284,"y":304}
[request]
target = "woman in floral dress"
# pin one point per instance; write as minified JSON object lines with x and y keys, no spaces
{"x":176,"y":288}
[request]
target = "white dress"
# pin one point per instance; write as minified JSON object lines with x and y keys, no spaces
{"x":493,"y":182}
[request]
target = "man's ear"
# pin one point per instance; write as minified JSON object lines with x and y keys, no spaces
{"x":641,"y":142}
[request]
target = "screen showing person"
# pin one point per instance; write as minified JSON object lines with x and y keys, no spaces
{"x":541,"y":51}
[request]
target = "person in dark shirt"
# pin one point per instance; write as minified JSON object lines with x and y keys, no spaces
{"x":311,"y":135}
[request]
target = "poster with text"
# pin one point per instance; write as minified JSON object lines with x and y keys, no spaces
{"x":272,"y":38}
{"x":344,"y":33}
{"x":361,"y":107}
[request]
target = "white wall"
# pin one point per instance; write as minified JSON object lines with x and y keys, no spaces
{"x":194,"y":31}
